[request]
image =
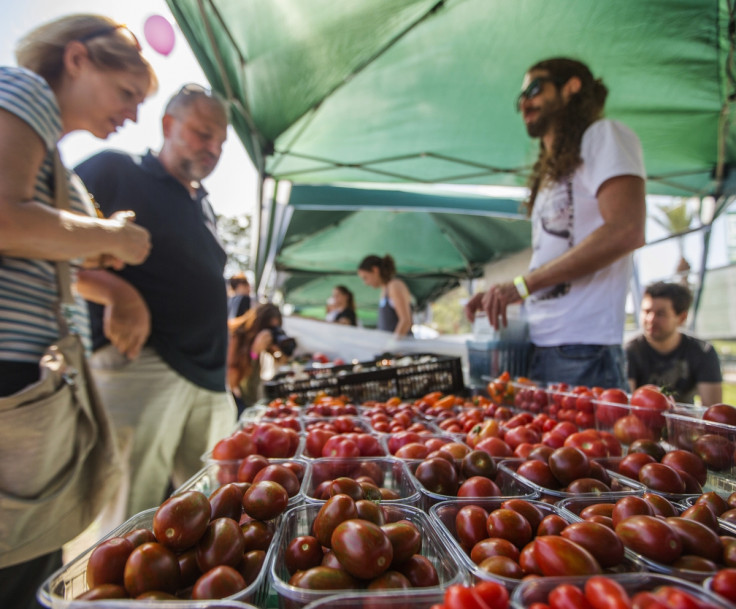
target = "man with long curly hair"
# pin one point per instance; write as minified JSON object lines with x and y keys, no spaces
{"x":587,"y":208}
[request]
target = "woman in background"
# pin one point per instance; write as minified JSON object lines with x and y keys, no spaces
{"x":394,"y":307}
{"x":77,"y":73}
{"x":250,"y":336}
{"x":344,"y":303}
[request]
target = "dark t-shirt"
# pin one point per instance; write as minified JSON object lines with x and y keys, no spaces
{"x":237,"y":305}
{"x":182,"y":280}
{"x":693,"y":361}
{"x":348,"y":314}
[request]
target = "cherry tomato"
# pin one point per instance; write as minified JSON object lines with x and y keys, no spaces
{"x":606,"y":593}
{"x":567,"y":596}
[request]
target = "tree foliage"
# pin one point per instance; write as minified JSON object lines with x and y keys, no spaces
{"x":235,"y":234}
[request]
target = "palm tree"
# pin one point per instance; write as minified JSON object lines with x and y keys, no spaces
{"x":675,"y":217}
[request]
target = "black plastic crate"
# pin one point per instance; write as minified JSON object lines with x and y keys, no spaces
{"x":427,"y":372}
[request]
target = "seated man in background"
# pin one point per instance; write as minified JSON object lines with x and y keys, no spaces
{"x":665,"y":356}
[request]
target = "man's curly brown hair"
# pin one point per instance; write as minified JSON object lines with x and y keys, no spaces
{"x":582,"y":109}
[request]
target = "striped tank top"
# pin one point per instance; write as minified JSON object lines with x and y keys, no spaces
{"x":28,"y":287}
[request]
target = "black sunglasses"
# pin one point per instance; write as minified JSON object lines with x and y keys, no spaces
{"x":533,"y":89}
{"x":109,"y":29}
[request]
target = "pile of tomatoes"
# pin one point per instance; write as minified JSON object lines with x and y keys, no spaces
{"x":196,"y":547}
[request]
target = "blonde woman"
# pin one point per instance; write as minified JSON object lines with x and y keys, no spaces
{"x":80,"y":72}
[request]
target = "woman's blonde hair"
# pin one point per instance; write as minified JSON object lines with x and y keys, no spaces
{"x":110,"y":46}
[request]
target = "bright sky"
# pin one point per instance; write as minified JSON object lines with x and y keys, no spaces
{"x":233,"y":183}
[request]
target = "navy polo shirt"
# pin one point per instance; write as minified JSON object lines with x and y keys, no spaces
{"x":182,"y":280}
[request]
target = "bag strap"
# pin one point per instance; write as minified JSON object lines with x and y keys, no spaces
{"x":63,"y":268}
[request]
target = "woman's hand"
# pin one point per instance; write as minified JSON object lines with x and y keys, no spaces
{"x":132,"y":243}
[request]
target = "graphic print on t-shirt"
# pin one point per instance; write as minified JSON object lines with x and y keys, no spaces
{"x":556,"y":220}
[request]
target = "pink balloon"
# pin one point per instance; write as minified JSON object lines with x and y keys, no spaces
{"x":159,"y":34}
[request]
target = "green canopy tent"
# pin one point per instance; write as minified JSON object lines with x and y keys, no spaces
{"x":436,"y":239}
{"x":422,"y":91}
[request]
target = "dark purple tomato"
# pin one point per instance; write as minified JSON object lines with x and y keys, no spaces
{"x":556,"y":555}
{"x":510,"y":525}
{"x":552,"y":524}
{"x":601,"y":541}
{"x":630,"y":506}
{"x":251,"y":565}
{"x":334,"y":511}
{"x":302,"y":553}
{"x":420,"y":572}
{"x":539,"y":473}
{"x":596,"y":509}
{"x":281,"y":474}
{"x":697,"y":538}
{"x":363,"y":549}
{"x":406,"y":540}
{"x":569,"y":463}
{"x":479,"y":486}
{"x":181,"y":520}
{"x":220,"y":582}
{"x":390,"y":580}
{"x":690,"y":562}
{"x":702,"y":513}
{"x":102,"y":592}
{"x":502,"y":566}
{"x":227,"y":502}
{"x":257,"y":535}
{"x":221,"y":544}
{"x":265,"y":500}
{"x":438,"y":476}
{"x":106,"y":564}
{"x":660,"y":477}
{"x":370,"y":510}
{"x":661,"y":506}
{"x":651,"y":537}
{"x":151,"y":566}
{"x":478,"y":463}
{"x":688,"y":462}
{"x":493,"y":546}
{"x":188,"y":568}
{"x":323,"y":578}
{"x":587,"y":485}
{"x":531,"y":512}
{"x":345,"y":486}
{"x":140,"y":536}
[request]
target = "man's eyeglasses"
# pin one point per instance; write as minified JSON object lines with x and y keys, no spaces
{"x":533,"y":89}
{"x":109,"y":29}
{"x":194,"y":88}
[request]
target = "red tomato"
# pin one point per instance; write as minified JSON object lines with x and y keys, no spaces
{"x":273,"y":441}
{"x":724,"y":583}
{"x":315,"y":441}
{"x":493,"y":594}
{"x":458,"y":596}
{"x":651,"y":403}
{"x":340,"y":446}
{"x":606,"y":412}
{"x":605,"y":593}
{"x":676,"y":598}
{"x":647,"y":600}
{"x":567,"y":596}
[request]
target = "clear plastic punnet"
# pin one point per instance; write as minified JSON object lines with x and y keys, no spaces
{"x":60,"y":590}
{"x":298,"y":521}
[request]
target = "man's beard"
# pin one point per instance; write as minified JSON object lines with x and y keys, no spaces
{"x":196,"y":171}
{"x":550,"y":116}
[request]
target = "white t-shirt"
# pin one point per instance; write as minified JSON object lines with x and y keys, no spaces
{"x":589,"y":310}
